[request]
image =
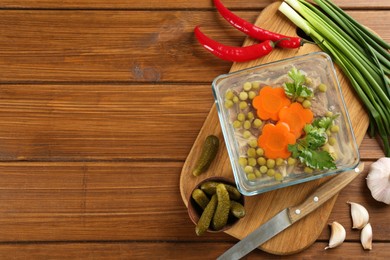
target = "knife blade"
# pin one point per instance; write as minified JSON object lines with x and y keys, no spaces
{"x":290,"y":215}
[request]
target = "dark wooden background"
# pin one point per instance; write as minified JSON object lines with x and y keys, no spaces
{"x":100,"y":103}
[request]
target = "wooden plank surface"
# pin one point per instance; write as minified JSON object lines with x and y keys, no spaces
{"x":111,"y":46}
{"x":100,"y":103}
{"x":174,"y":250}
{"x":170,"y":4}
{"x":100,"y":122}
{"x":108,"y":201}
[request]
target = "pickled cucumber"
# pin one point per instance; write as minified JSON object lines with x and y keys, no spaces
{"x":206,"y":217}
{"x":209,"y":151}
{"x":210,"y":187}
{"x":221,"y":214}
{"x":200,"y":198}
{"x":237,"y":209}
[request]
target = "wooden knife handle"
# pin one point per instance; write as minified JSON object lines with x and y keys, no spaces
{"x":324,"y":193}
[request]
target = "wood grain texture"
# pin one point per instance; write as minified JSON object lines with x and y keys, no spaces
{"x":172,"y":4}
{"x":112,"y":46}
{"x":176,"y":250}
{"x":129,"y":201}
{"x":100,"y":122}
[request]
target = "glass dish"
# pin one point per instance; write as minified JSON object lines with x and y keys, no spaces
{"x":318,"y":68}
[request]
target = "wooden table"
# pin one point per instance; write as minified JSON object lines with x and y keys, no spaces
{"x":100,"y":103}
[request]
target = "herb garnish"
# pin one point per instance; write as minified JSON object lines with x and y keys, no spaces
{"x":297,"y":89}
{"x":308,"y":149}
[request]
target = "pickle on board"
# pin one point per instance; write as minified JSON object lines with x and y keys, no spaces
{"x":221,"y":214}
{"x":237,"y":209}
{"x":209,"y":151}
{"x":206,"y":217}
{"x":200,"y":198}
{"x":209,"y":188}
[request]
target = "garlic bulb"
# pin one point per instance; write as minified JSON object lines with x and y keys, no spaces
{"x":378,"y":180}
{"x":366,"y":237}
{"x":337,"y":235}
{"x":359,"y":215}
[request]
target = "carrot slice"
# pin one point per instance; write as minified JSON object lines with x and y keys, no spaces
{"x":296,"y":116}
{"x":275,"y":139}
{"x":269,"y":102}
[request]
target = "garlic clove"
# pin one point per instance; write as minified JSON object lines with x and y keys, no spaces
{"x":366,"y":237}
{"x":337,"y":235}
{"x":359,"y":215}
{"x":378,"y":180}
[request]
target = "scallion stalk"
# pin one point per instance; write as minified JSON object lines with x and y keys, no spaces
{"x":362,"y":58}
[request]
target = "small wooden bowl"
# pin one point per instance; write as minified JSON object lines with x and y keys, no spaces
{"x":195,"y":211}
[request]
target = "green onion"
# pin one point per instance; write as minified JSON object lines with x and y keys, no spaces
{"x":361,"y":55}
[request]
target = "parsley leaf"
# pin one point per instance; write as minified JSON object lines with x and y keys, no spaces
{"x":297,"y":88}
{"x":315,"y":138}
{"x":296,"y":76}
{"x":324,"y":122}
{"x":317,"y":159}
{"x":308,"y":149}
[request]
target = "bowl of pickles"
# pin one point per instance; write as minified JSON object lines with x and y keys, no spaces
{"x":285,"y":123}
{"x":215,"y":205}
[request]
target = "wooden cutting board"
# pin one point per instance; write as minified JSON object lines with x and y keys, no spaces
{"x":262,"y":207}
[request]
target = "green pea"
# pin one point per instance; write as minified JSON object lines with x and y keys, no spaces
{"x":229,"y":95}
{"x":252,"y":161}
{"x":278,"y":176}
{"x":270,"y":172}
{"x":235,"y":99}
{"x":332,"y":141}
{"x":251,"y":152}
{"x":243,"y":95}
{"x":256,"y":85}
{"x":253,"y":143}
{"x":251,"y":176}
{"x":329,"y":113}
{"x":237,"y":124}
{"x":257,"y":123}
{"x":322,"y":87}
{"x":250,"y":115}
{"x":308,"y":170}
{"x":243,"y":105}
{"x":334,"y":128}
{"x":247,"y":86}
{"x":241,"y":117}
{"x":308,"y":81}
{"x":279,"y":161}
{"x":260,"y":151}
{"x":247,"y":134}
{"x":263,"y":169}
{"x":248,"y":169}
{"x":291,"y":161}
{"x":247,"y":124}
{"x":306,"y":103}
{"x":257,"y":173}
{"x":251,"y":95}
{"x":228,"y":103}
{"x":270,"y":163}
{"x":261,"y":161}
{"x":243,"y":161}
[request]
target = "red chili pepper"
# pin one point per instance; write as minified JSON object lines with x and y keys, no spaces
{"x":232,"y":53}
{"x":257,"y":32}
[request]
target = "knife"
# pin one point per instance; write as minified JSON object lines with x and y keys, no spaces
{"x":290,"y":215}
